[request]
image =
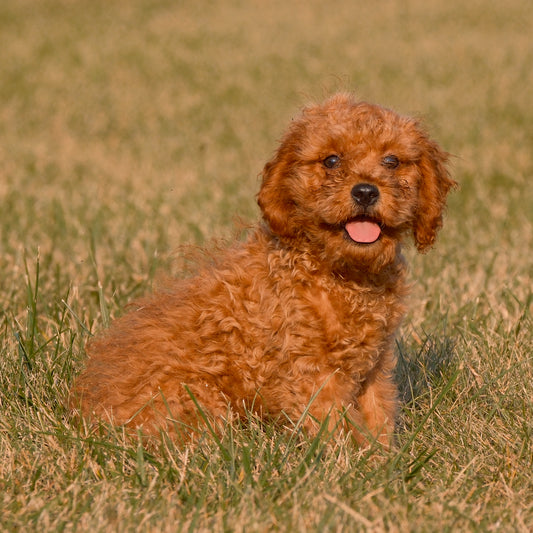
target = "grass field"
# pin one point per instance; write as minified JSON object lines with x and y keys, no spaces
{"x":131,"y":127}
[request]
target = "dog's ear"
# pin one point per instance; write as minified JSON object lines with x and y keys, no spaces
{"x":274,"y":198}
{"x":435,"y":183}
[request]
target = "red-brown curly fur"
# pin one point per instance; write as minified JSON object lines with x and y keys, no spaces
{"x":299,"y":316}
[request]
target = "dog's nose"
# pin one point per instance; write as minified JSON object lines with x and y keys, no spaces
{"x":365,"y":194}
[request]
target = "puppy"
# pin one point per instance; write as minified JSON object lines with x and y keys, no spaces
{"x":300,"y":318}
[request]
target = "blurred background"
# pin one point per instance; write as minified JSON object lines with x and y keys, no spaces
{"x":147,"y":122}
{"x":129,"y":128}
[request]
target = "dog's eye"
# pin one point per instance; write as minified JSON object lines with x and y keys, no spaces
{"x":331,"y":161}
{"x":390,"y":161}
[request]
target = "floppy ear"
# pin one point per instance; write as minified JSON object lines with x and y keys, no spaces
{"x":274,"y":197}
{"x":435,"y":183}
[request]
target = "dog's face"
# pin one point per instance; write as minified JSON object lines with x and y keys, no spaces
{"x":352,"y":179}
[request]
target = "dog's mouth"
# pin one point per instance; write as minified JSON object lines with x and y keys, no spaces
{"x":363,"y":230}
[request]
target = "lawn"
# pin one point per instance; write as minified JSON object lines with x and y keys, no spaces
{"x":132,"y":127}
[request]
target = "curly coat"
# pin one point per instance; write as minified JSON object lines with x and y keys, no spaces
{"x":301,"y":317}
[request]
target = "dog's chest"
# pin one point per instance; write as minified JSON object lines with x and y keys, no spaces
{"x":326,"y":318}
{"x":355,"y":316}
{"x":313,"y":314}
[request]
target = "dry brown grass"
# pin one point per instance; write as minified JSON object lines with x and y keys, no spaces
{"x":129,"y":128}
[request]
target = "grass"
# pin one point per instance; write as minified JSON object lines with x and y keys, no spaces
{"x":132,"y":127}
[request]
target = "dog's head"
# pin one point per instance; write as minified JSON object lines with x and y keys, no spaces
{"x":352,"y":179}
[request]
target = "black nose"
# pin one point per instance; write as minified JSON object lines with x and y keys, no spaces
{"x":365,"y":194}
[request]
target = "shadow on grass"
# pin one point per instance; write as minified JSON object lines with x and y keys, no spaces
{"x":421,"y":368}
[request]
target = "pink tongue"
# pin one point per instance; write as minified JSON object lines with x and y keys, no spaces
{"x":363,"y":231}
